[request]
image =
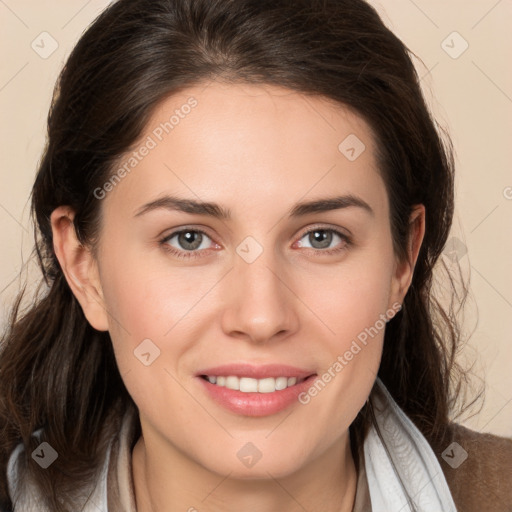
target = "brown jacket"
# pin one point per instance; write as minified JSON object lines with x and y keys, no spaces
{"x":483,"y":481}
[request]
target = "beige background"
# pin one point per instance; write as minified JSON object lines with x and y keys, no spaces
{"x":470,"y":93}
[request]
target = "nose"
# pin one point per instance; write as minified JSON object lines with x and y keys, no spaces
{"x":260,"y":304}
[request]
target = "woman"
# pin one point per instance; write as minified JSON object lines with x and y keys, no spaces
{"x":239,"y":211}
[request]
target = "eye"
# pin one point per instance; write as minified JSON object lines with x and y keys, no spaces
{"x":321,"y":239}
{"x":187,"y":242}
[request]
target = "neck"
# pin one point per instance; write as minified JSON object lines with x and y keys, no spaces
{"x":167,"y":476}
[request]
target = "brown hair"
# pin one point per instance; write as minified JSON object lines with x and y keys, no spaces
{"x":57,"y":372}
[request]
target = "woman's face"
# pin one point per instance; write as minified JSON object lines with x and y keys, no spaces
{"x":264,"y":281}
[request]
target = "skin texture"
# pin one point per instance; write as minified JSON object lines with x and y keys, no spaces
{"x":257,"y":151}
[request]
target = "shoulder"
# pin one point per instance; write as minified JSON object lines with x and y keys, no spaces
{"x":478,"y":469}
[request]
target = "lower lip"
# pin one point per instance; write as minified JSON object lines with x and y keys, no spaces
{"x":256,"y":404}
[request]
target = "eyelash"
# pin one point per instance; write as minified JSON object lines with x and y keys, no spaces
{"x":195,"y":253}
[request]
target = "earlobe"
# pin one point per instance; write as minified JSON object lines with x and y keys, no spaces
{"x":79,"y":267}
{"x":405,"y":270}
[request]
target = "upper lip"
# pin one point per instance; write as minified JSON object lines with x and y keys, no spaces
{"x":256,"y":371}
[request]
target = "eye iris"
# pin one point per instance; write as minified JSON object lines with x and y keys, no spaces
{"x":322,"y":236}
{"x":186,"y":238}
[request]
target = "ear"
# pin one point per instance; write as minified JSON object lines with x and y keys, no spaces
{"x":79,"y":267}
{"x":404,"y":270}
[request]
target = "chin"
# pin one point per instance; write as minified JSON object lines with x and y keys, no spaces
{"x":252,"y":464}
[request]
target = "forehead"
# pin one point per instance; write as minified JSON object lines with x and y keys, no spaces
{"x":251,"y":143}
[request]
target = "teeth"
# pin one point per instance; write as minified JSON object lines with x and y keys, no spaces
{"x":267,"y":385}
{"x":232,"y":382}
{"x":281,"y":383}
{"x":248,"y":385}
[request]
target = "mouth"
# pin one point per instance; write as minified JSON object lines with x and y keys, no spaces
{"x":250,"y":385}
{"x":255,"y":390}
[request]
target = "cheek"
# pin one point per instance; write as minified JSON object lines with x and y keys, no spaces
{"x":145,"y":330}
{"x":156,"y":314}
{"x":351,"y":296}
{"x":145,"y":295}
{"x":353,"y":306}
{"x":354,"y":314}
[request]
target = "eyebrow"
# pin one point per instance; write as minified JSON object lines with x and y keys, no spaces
{"x":214,"y":210}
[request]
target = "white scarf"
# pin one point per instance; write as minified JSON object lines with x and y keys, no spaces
{"x":414,"y":460}
{"x":413,"y":457}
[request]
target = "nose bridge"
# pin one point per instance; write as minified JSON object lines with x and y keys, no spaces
{"x":260,"y":305}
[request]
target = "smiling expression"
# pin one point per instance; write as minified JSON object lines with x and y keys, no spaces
{"x":248,"y":236}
